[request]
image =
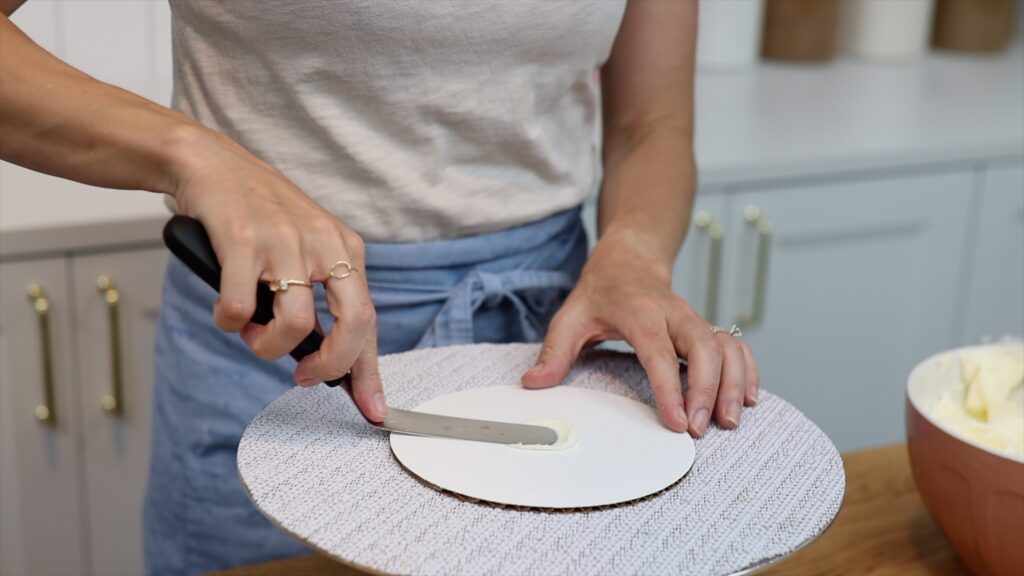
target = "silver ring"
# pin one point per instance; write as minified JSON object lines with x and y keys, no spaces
{"x":734,"y":331}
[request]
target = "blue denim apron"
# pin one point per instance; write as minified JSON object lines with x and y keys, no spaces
{"x":497,"y":287}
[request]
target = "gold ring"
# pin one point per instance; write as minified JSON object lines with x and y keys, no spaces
{"x":339,"y":275}
{"x":282,"y":284}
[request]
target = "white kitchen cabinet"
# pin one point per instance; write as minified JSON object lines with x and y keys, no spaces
{"x":40,"y":463}
{"x":72,"y":486}
{"x":859,"y":283}
{"x":995,"y":293}
{"x":115,"y":333}
{"x":697,"y":274}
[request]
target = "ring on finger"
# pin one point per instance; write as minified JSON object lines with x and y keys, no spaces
{"x":282,"y":284}
{"x":734,"y":331}
{"x":342,"y":269}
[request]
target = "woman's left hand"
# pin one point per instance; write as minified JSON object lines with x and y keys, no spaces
{"x":623,"y":294}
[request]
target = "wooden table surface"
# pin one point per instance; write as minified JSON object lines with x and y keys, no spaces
{"x":883,"y":529}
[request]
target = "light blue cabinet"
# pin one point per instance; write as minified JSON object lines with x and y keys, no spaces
{"x":697,"y":275}
{"x":995,"y":285}
{"x":73,"y":463}
{"x":859,"y":283}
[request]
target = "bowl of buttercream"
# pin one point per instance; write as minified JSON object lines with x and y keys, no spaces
{"x":965,"y":436}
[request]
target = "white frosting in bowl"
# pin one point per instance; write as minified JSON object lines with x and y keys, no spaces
{"x":986,"y":405}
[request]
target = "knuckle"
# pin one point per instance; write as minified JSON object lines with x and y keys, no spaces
{"x":235,"y":309}
{"x":354,"y":245}
{"x":706,"y":394}
{"x":548,"y":350}
{"x":300,"y":323}
{"x":362,"y":316}
{"x":334,"y":364}
{"x":322,"y":228}
{"x":283,"y":233}
{"x":735,"y":384}
{"x":715,"y":348}
{"x":333,"y":372}
{"x":243,"y":234}
{"x":646,"y":308}
{"x":683,"y":307}
{"x":733,"y":347}
{"x":662,"y":357}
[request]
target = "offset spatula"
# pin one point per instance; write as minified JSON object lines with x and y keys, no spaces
{"x":187,"y":239}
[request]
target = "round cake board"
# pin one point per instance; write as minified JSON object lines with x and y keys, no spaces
{"x":312,"y":465}
{"x":622,"y":451}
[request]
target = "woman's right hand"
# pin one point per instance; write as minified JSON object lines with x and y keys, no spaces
{"x":57,"y":120}
{"x":263,"y":227}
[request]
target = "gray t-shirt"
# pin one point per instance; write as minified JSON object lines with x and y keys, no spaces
{"x":409,"y":120}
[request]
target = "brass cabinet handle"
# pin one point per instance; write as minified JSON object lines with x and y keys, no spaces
{"x":705,"y":221}
{"x":113,"y":403}
{"x":47,"y":411}
{"x":752,"y":214}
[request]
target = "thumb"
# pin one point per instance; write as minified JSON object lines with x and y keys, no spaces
{"x":566,"y":336}
{"x":366,"y":384}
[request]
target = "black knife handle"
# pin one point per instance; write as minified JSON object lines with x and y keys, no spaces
{"x":187,"y":239}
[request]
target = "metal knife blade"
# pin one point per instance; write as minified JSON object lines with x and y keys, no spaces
{"x":424,"y":424}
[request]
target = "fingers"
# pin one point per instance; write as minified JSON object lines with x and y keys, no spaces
{"x":733,"y":382}
{"x":294,"y":312}
{"x":704,"y":354}
{"x":348,"y":300}
{"x":566,"y":337}
{"x":237,"y":302}
{"x":753,"y":376}
{"x":649,"y":335}
{"x":366,"y":385}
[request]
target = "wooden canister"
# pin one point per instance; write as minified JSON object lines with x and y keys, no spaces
{"x":974,"y":25}
{"x":802,"y":30}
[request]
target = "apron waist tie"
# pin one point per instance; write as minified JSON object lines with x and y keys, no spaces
{"x":454,"y":321}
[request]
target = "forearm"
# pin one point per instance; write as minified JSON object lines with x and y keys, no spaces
{"x":648,"y":190}
{"x":58,"y":120}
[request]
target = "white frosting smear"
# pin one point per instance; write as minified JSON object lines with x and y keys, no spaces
{"x":567,"y":435}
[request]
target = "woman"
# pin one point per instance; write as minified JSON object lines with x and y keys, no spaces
{"x":424,"y":162}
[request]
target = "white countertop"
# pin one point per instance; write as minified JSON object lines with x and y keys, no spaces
{"x":788,"y":120}
{"x":767,"y":122}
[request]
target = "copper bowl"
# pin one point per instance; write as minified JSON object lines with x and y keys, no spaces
{"x":974,"y":493}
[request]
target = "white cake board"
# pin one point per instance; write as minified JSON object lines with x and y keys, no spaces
{"x":753,"y":495}
{"x":623,"y":452}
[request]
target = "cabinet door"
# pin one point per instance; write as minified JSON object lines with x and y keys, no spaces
{"x":39,"y":460}
{"x":995,"y":297}
{"x":860,"y":284}
{"x":697,"y":273}
{"x":116,"y":328}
